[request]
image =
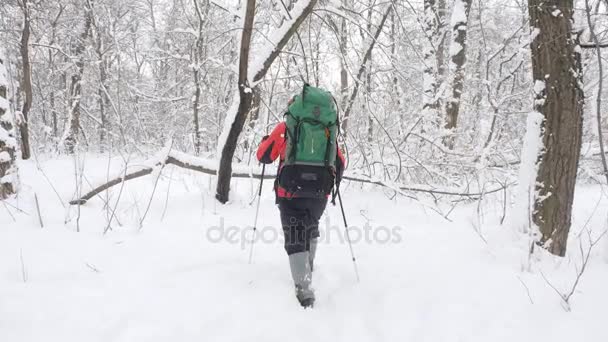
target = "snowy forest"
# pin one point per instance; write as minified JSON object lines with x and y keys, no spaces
{"x":474,"y":130}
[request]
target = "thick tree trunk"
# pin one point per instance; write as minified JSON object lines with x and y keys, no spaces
{"x":458,"y":56}
{"x":70,"y":136}
{"x":26,"y":85}
{"x":559,"y":99}
{"x":246,"y":93}
{"x":245,"y":99}
{"x":8,"y":167}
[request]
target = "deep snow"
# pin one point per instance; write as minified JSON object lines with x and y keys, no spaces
{"x":167,"y":281}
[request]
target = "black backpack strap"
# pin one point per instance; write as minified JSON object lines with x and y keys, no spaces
{"x":327,"y":146}
{"x":293,"y":136}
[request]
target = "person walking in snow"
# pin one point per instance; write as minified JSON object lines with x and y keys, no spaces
{"x":310,"y":166}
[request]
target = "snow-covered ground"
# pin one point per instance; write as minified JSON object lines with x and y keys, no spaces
{"x":176,"y":277}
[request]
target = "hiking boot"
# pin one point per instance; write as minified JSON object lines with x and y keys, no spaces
{"x":299,"y":264}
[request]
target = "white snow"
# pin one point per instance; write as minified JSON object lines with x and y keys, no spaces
{"x":228,"y":121}
{"x":3,"y":76}
{"x":455,"y":48}
{"x":4,"y":157}
{"x":173,"y":280}
{"x":534,"y":33}
{"x":526,"y":188}
{"x":539,"y":87}
{"x":7,"y":138}
{"x":539,"y":92}
{"x":4,"y":103}
{"x":459,"y":13}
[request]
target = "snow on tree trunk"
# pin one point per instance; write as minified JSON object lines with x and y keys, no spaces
{"x":458,"y":59}
{"x":434,"y":12}
{"x":249,"y":74}
{"x":70,"y":135}
{"x":526,"y":185}
{"x":559,"y":99}
{"x":8,"y":144}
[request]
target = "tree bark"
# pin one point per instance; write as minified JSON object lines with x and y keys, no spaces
{"x":26,"y":81}
{"x":8,"y":167}
{"x":246,"y":93}
{"x":52,"y":68}
{"x":557,"y":73}
{"x":245,"y":99}
{"x":70,"y":136}
{"x":458,"y":49}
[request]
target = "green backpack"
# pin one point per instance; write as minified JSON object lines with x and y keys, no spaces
{"x":311,"y":133}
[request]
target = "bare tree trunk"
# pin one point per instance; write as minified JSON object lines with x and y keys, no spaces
{"x":26,"y":81}
{"x":559,"y":99}
{"x":103,"y":75}
{"x":196,"y":99}
{"x":225,"y":168}
{"x":598,"y":105}
{"x":442,"y":40}
{"x":52,"y":68}
{"x":70,"y":136}
{"x":368,"y":78}
{"x":458,"y":54}
{"x":343,"y":67}
{"x":246,"y":93}
{"x":8,"y":144}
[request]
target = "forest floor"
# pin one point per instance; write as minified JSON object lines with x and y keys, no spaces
{"x":174,"y":274}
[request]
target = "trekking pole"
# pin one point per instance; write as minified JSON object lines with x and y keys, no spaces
{"x":350,"y":245}
{"x":257,"y":211}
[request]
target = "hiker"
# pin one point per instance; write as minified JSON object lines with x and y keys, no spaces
{"x":311,"y":164}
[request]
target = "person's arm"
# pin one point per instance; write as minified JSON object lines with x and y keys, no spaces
{"x":272,"y":145}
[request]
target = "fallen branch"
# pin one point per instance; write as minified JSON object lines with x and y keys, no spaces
{"x":241,"y":171}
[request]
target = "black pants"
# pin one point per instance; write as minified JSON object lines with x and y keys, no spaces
{"x":300,"y":221}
